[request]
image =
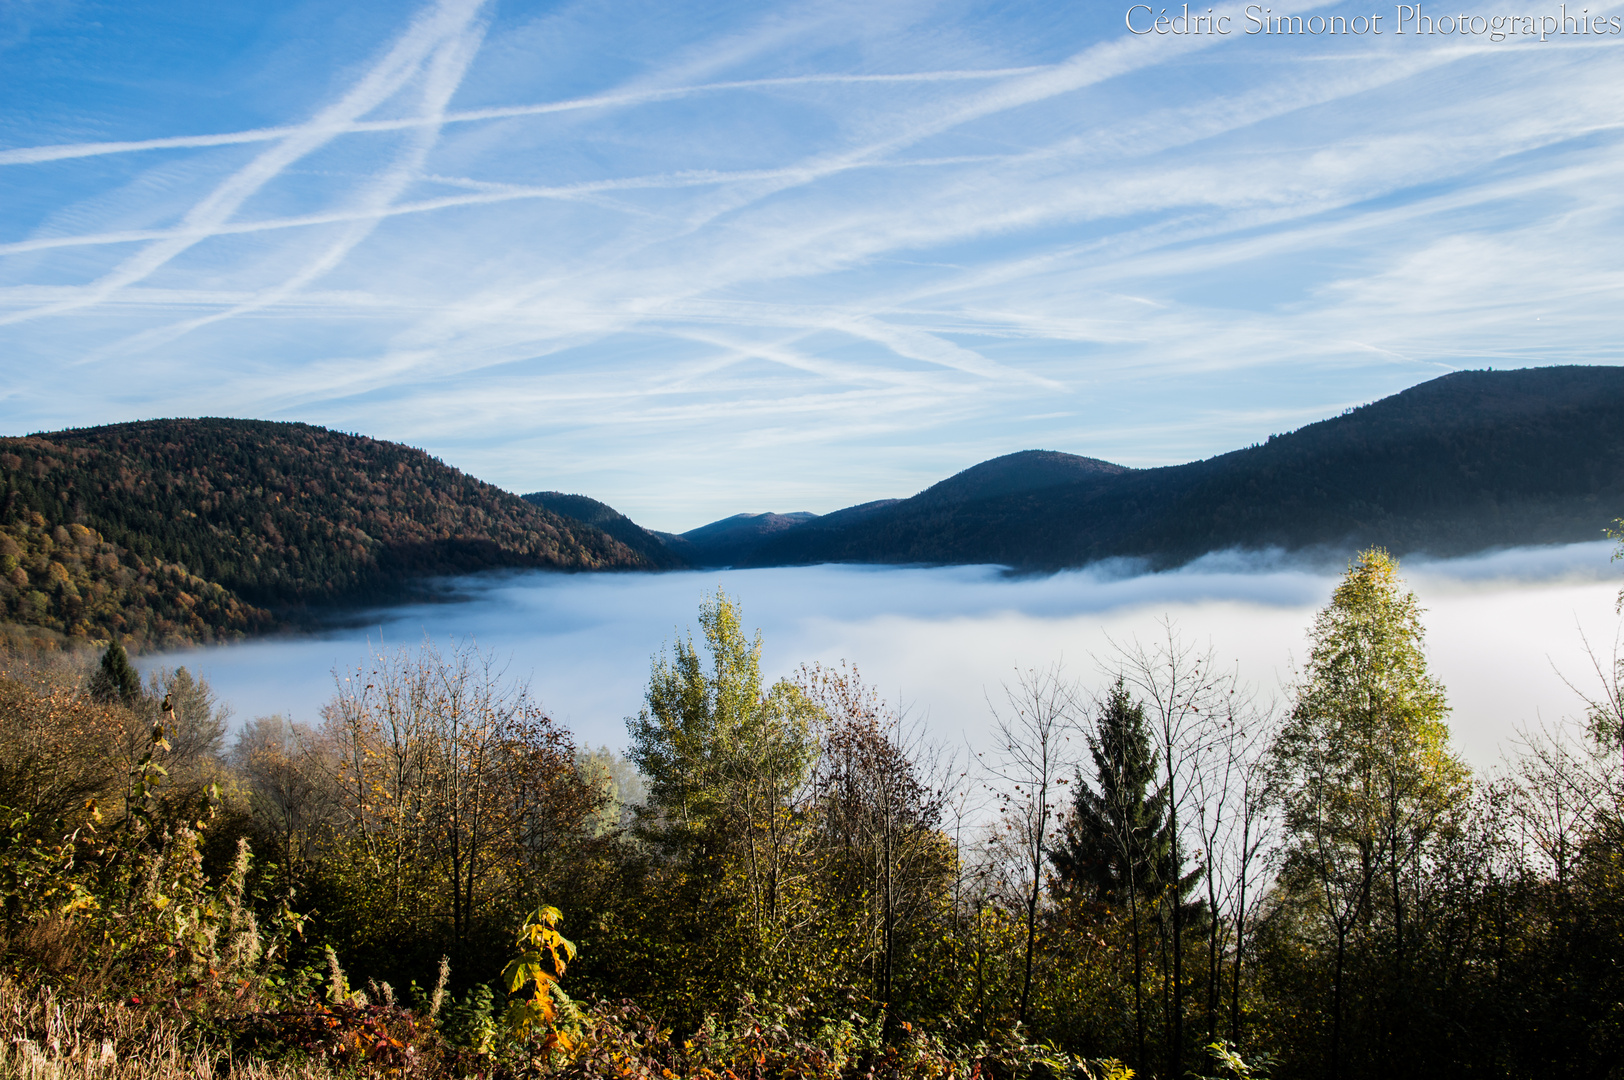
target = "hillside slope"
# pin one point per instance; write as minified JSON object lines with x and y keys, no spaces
{"x":1465,"y":462}
{"x":602,"y":516}
{"x":726,"y":542}
{"x":197,"y":529}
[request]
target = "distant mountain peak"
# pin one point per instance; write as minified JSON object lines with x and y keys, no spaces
{"x":1461,"y":463}
{"x":1022,"y":471}
{"x":747,"y":524}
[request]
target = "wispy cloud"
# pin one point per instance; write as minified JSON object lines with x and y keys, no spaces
{"x":689,"y":259}
{"x":35,"y":155}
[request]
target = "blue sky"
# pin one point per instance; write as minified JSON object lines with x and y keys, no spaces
{"x":696,"y":259}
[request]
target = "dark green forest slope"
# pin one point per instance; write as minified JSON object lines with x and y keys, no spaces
{"x":602,"y":516}
{"x":1465,"y":462}
{"x":198,"y":529}
{"x":730,"y":540}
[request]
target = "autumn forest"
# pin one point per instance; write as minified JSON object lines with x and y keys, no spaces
{"x":1149,"y":873}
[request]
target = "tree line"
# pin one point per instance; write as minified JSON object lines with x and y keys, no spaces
{"x":1161,"y":875}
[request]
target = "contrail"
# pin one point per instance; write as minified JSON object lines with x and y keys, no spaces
{"x":34,"y":155}
{"x":445,"y":74}
{"x":446,"y":21}
{"x":488,"y":193}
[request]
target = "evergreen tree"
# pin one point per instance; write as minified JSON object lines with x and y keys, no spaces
{"x":1117,"y":847}
{"x":1115,"y":841}
{"x":116,"y":679}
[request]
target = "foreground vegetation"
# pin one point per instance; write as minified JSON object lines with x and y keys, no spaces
{"x":1161,"y":878}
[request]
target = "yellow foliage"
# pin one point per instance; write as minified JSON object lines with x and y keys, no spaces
{"x":544,"y":953}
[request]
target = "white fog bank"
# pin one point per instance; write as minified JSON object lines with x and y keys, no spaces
{"x":940,"y":641}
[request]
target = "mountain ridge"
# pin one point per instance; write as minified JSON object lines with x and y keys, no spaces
{"x":1460,"y":463}
{"x":214,"y":528}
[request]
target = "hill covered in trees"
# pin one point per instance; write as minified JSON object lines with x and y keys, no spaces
{"x":201,"y":529}
{"x":1469,"y":461}
{"x":599,"y":515}
{"x":211,"y":528}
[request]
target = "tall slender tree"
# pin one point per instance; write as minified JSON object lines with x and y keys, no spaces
{"x":1365,"y":770}
{"x":1028,"y":764}
{"x":725,"y":758}
{"x":1185,"y":692}
{"x":879,"y":818}
{"x":1115,"y":843}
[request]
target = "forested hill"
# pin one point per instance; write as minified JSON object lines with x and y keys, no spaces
{"x":728,"y":541}
{"x":199,"y":529}
{"x":603,"y":516}
{"x":1465,"y":462}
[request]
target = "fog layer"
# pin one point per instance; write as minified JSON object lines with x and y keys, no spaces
{"x":1503,"y":630}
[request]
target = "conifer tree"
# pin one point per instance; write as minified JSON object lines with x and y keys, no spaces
{"x":116,"y":679}
{"x":1117,"y":844}
{"x":1115,"y":839}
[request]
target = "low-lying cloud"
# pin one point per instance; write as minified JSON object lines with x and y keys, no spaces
{"x":1503,"y":630}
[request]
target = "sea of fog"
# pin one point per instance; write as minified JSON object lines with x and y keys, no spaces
{"x":1504,"y":630}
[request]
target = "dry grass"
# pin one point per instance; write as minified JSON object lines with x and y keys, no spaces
{"x":43,"y":1037}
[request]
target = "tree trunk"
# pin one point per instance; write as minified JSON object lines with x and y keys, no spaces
{"x":1240,"y":941}
{"x":1336,"y":1004}
{"x":1138,"y":978}
{"x":1214,"y":982}
{"x":1177,"y":1056}
{"x":1031,"y":937}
